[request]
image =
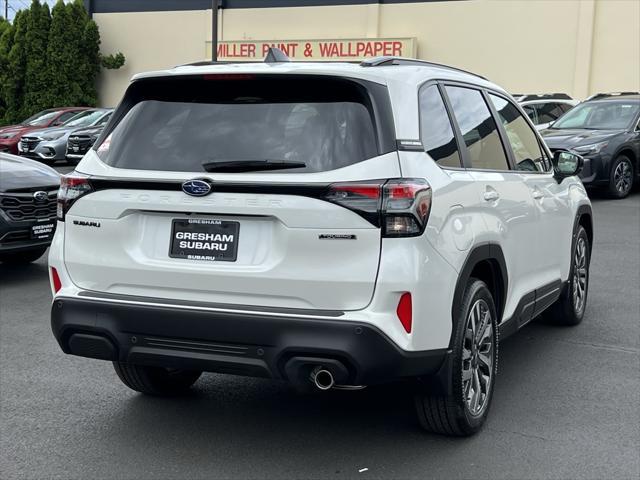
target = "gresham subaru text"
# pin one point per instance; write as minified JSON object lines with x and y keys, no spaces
{"x":382,"y":221}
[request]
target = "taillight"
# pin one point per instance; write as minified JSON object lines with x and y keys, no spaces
{"x":72,"y":187}
{"x":405,"y":207}
{"x":55,"y":279}
{"x":363,"y":198}
{"x":400,"y":207}
{"x":404,"y":311}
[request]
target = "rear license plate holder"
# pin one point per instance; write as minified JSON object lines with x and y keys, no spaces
{"x":204,"y":239}
{"x":43,"y":231}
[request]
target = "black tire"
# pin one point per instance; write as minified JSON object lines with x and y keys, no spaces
{"x":452,"y":414}
{"x":22,"y":257}
{"x":621,"y":177}
{"x":156,"y":381}
{"x":569,"y":309}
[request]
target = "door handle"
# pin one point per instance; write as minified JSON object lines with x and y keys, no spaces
{"x":491,"y":195}
{"x":538,"y":195}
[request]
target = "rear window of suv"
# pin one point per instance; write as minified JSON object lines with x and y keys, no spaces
{"x":220,"y":122}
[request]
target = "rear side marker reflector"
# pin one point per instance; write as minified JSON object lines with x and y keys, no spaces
{"x":404,"y":311}
{"x":55,"y":279}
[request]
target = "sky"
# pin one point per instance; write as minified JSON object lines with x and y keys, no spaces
{"x":15,"y":5}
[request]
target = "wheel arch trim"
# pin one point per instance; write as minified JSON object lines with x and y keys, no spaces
{"x":583,"y":213}
{"x":480,"y":253}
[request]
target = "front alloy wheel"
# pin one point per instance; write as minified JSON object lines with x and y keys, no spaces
{"x":621,"y":179}
{"x":570,"y":307}
{"x":580,"y":273}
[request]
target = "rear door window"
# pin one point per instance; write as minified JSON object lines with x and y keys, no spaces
{"x":436,"y":132}
{"x":212,"y":124}
{"x":479,"y":129}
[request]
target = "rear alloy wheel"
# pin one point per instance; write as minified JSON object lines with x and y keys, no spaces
{"x":20,"y":258}
{"x":474,"y":367}
{"x":157,"y":381}
{"x":477,"y":358}
{"x":621,"y":179}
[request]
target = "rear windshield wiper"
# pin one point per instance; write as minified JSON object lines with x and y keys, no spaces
{"x":250,"y":165}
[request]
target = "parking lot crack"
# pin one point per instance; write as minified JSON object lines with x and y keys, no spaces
{"x":526,"y":435}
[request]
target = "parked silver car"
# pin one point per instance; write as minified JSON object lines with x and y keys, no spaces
{"x":50,"y":145}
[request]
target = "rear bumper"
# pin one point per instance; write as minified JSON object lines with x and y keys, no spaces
{"x":240,"y":343}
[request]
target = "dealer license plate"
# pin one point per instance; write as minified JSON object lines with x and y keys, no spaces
{"x":204,"y":239}
{"x":42,"y":231}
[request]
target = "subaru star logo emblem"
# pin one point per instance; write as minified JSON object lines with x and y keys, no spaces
{"x":40,"y":196}
{"x":196,"y":188}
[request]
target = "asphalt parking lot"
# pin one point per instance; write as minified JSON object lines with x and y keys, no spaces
{"x":566,"y":403}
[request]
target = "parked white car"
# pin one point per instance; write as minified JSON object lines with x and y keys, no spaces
{"x":336,"y":225}
{"x":545,"y":109}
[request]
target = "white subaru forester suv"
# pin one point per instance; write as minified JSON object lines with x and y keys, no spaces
{"x":332,"y":225}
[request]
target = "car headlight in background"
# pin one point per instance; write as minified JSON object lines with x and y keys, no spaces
{"x":7,"y":136}
{"x":590,"y":149}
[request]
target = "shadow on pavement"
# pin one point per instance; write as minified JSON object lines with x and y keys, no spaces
{"x":21,"y":274}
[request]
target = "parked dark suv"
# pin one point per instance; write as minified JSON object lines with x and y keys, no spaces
{"x":605,"y":130}
{"x":80,"y":141}
{"x":28,"y":192}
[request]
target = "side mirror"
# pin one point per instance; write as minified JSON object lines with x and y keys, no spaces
{"x":566,"y":164}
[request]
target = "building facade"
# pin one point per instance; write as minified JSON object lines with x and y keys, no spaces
{"x":578,"y":47}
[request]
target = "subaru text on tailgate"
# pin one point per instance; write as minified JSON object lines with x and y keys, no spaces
{"x":331,"y":225}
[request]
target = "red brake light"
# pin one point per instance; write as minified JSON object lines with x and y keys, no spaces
{"x":405,"y":207}
{"x":72,"y":187}
{"x":363,"y":198}
{"x":55,"y":278}
{"x":400,"y":206}
{"x":404,"y":311}
{"x":367,"y":190}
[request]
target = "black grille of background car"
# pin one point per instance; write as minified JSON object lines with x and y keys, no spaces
{"x":82,"y":142}
{"x":29,"y":143}
{"x":24,"y":207}
{"x":16,"y":236}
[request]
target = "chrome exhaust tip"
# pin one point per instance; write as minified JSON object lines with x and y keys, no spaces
{"x":322,"y":378}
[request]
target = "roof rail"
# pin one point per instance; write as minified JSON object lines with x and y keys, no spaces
{"x":390,"y":61}
{"x":274,"y":55}
{"x":611,"y":94}
{"x":524,"y":97}
{"x":203,"y":63}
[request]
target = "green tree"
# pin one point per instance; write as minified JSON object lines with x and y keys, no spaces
{"x":90,"y":50}
{"x":4,"y":25}
{"x":6,"y":39}
{"x":50,"y":59}
{"x":14,"y":78}
{"x":63,"y":59}
{"x":36,"y":94}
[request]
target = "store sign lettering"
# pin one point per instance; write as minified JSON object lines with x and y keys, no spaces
{"x":317,"y":50}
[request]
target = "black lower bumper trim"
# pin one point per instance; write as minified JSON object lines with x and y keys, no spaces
{"x":239,"y":343}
